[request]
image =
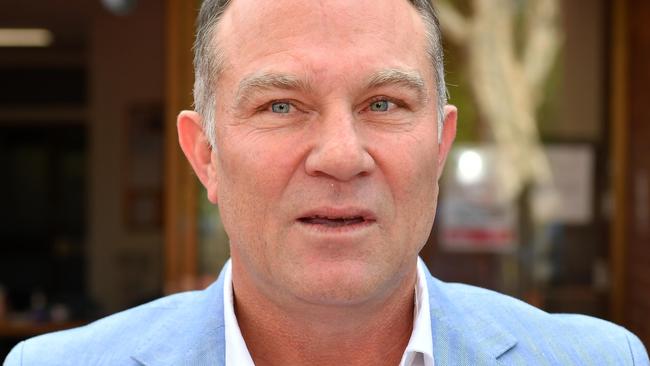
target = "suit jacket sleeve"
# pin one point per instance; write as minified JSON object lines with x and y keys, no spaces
{"x":15,"y":357}
{"x":639,"y":353}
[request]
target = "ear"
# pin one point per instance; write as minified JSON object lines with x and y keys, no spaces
{"x":448,"y":136}
{"x":197,"y":150}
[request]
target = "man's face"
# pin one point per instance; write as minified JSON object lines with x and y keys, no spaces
{"x":327,"y":158}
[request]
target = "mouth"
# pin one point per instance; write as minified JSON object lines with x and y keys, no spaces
{"x":334,"y":219}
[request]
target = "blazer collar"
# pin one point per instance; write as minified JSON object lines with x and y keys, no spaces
{"x":192,"y":335}
{"x":462,"y":336}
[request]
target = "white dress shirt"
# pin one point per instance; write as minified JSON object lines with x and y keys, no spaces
{"x":418,"y":352}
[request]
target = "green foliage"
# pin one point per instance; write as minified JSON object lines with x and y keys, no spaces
{"x":460,"y":95}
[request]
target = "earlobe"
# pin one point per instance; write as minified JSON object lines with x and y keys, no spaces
{"x":197,"y":149}
{"x":448,"y":136}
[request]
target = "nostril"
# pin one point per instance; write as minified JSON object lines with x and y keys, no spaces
{"x":339,"y":149}
{"x":339,"y":163}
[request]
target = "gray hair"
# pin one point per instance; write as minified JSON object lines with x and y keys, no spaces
{"x":209,"y":60}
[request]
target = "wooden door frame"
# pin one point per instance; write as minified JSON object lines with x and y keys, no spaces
{"x":619,"y":140}
{"x":181,"y":189}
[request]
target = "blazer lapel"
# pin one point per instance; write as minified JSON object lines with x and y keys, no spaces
{"x":461,"y":337}
{"x":192,"y":335}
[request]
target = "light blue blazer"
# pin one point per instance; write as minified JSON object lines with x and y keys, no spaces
{"x":470,"y":327}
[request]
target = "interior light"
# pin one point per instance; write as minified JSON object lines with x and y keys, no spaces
{"x":25,"y":37}
{"x":120,"y":7}
{"x":470,"y":167}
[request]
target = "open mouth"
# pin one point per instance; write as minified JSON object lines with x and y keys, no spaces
{"x":333,"y":221}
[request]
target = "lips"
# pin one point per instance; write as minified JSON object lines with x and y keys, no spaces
{"x":332,"y":218}
{"x":332,"y":221}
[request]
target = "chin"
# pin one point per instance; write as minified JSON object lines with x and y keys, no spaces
{"x":341,"y":284}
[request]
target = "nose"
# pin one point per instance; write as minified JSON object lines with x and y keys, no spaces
{"x":339,"y":151}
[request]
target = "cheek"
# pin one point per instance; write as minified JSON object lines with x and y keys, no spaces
{"x":413,"y":182}
{"x":256,"y":162}
{"x":255,"y":172}
{"x":410,"y":159}
{"x":427,"y":180}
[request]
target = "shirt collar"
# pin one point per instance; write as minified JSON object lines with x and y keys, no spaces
{"x":236,"y":350}
{"x":419,"y":350}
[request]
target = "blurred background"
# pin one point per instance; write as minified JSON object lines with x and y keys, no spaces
{"x":546,"y":195}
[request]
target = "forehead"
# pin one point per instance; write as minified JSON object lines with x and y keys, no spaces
{"x":321,"y":38}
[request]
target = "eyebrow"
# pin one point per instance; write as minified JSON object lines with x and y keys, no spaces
{"x":408,"y":78}
{"x":255,"y":83}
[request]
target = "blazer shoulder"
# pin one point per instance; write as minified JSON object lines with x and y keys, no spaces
{"x":106,"y":341}
{"x":638,"y":351}
{"x":563,"y":339}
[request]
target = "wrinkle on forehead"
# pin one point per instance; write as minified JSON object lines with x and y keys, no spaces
{"x":324,"y":20}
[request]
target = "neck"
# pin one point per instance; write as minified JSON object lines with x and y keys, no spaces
{"x":361,"y":334}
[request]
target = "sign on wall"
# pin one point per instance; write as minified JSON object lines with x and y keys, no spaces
{"x":473,"y":216}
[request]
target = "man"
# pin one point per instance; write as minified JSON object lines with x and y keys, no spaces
{"x":321,"y":131}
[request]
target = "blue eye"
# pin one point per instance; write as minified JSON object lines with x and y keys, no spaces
{"x":379,"y":106}
{"x":280,"y":107}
